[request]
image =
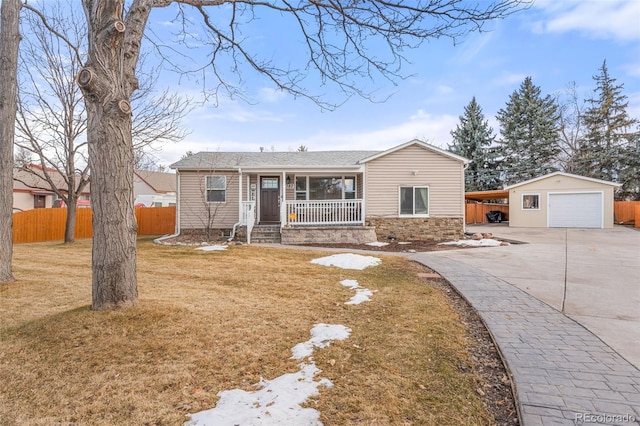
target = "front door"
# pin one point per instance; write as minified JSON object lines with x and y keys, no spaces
{"x":269,"y":199}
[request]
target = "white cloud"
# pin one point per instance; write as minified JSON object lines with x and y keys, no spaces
{"x":509,"y":79}
{"x":434,"y":129}
{"x":235,"y":112}
{"x":612,"y":19}
{"x":445,"y":90}
{"x":267,"y":94}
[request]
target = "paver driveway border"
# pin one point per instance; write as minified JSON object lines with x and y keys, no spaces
{"x":562,"y":373}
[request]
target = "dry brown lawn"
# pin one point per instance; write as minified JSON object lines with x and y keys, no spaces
{"x":214,"y":321}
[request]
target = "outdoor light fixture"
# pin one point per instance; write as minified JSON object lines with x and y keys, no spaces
{"x":288,"y":180}
{"x":415,"y":172}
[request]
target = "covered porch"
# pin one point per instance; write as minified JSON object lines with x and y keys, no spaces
{"x":303,"y":198}
{"x":303,"y":204}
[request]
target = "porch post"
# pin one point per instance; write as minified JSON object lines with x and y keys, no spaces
{"x":364,"y":197}
{"x":283,"y":200}
{"x":240,"y":212}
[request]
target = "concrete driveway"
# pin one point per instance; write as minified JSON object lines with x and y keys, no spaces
{"x":591,"y":275}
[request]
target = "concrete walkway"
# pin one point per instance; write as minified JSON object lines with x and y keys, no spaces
{"x":563,"y":374}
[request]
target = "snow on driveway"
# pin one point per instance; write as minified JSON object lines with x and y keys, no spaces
{"x":279,"y":401}
{"x":485,"y":242}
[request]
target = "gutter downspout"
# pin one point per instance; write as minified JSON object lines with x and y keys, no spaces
{"x":177,"y":230}
{"x":464,"y":201}
{"x":235,"y":225}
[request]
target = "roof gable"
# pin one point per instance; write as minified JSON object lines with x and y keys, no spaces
{"x":421,"y":144}
{"x":569,"y":175}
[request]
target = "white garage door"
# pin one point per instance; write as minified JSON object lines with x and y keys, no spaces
{"x":575,"y":210}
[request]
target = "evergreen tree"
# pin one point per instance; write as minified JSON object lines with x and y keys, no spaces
{"x":630,"y":171}
{"x":529,"y":125}
{"x":472,"y":139}
{"x":610,"y":145}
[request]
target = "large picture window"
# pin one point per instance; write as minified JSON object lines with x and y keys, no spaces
{"x":326,"y":188}
{"x":216,"y":189}
{"x":414,"y":201}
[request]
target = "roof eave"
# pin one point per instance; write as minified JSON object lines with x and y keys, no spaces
{"x":600,"y":181}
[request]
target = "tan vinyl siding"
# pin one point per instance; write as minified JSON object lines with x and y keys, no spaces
{"x":443,"y":176}
{"x":193,"y":205}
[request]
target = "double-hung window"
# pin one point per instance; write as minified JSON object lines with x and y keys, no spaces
{"x":216,"y":189}
{"x":414,"y":201}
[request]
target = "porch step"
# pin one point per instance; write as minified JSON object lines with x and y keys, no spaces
{"x":266,"y":234}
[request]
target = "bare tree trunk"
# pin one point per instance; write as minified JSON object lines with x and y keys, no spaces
{"x":70,"y":225}
{"x":107,"y":82}
{"x":114,"y":223}
{"x":9,"y":42}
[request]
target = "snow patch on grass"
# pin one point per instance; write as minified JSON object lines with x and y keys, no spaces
{"x":348,"y":261}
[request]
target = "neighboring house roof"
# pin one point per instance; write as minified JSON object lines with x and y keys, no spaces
{"x":305,"y":159}
{"x":160,"y":182}
{"x":32,"y":180}
{"x":550,"y":175}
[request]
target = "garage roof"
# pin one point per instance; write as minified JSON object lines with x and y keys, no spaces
{"x":550,"y":175}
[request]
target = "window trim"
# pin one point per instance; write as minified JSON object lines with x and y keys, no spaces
{"x":207,"y":189}
{"x":529,"y":194}
{"x":342,"y":178}
{"x":413,"y":188}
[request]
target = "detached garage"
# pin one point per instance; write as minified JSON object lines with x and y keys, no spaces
{"x":561,"y":200}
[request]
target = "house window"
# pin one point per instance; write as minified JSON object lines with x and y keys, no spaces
{"x":216,"y":189}
{"x":531,"y":202}
{"x":301,"y":187}
{"x":349,"y":188}
{"x":270,"y":183}
{"x":414,"y":201}
{"x":331,"y":188}
{"x":39,"y":201}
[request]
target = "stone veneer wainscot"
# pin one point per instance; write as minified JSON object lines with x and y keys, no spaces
{"x":418,"y":229}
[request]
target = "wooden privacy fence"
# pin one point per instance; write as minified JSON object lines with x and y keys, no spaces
{"x":48,"y":224}
{"x":477,"y":212}
{"x":627,"y":212}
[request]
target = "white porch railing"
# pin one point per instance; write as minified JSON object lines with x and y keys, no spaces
{"x":325,"y":212}
{"x":249,"y":217}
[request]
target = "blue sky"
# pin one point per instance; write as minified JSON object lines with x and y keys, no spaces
{"x":554,"y":42}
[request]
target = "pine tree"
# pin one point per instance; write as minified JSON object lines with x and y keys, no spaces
{"x":630,"y":171}
{"x":472,"y":139}
{"x":609,"y":149}
{"x":529,"y":125}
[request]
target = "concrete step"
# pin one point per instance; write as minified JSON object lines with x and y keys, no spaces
{"x":266,"y":234}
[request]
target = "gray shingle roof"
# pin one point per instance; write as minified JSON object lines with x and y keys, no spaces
{"x":232,"y":160}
